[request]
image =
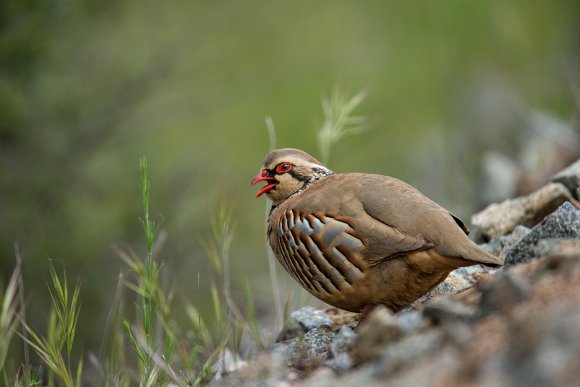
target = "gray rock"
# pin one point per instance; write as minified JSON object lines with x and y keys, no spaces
{"x":291,"y":329}
{"x":499,"y":219}
{"x":500,"y":246}
{"x":302,"y":321}
{"x":343,"y":341}
{"x":453,"y":317}
{"x":468,"y":271}
{"x":493,"y":246}
{"x":410,"y":321}
{"x":339,"y":349}
{"x":310,"y":350}
{"x":378,"y":330}
{"x":454,"y":282}
{"x":562,"y":223}
{"x":441,"y":311}
{"x":279,"y":364}
{"x":405,"y":353}
{"x":512,"y":239}
{"x":570,"y":177}
{"x":503,"y":293}
{"x":557,"y":246}
{"x":310,"y":318}
{"x":457,"y":281}
{"x":341,"y":363}
{"x":545,"y":354}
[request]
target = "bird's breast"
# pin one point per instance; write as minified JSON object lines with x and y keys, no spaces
{"x":321,"y":251}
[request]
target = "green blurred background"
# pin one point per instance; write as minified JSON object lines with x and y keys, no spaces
{"x":87,"y":87}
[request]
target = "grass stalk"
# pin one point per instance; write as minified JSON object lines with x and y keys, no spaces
{"x":338,"y":121}
{"x":147,"y":303}
{"x":8,"y":315}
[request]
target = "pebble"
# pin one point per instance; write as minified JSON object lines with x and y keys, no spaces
{"x":312,"y":349}
{"x":562,"y":223}
{"x":501,"y":218}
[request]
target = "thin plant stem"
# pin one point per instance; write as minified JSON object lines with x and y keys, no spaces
{"x":338,"y":121}
{"x":21,"y":299}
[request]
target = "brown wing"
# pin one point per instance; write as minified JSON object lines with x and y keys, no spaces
{"x":413,"y":215}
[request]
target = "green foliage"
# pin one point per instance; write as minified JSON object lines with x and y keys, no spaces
{"x":55,"y":349}
{"x":155,"y":338}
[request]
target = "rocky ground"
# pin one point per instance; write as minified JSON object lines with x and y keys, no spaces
{"x":516,"y":326}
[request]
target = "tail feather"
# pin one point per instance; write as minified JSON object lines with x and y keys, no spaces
{"x":477,"y":254}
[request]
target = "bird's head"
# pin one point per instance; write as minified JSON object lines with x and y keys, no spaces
{"x":286,"y":172}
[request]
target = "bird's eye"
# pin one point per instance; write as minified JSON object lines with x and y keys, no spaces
{"x":283,"y":168}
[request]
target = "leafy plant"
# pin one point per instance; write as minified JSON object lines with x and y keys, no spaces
{"x":153,"y":306}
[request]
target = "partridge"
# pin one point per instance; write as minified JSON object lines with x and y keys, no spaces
{"x":357,"y":240}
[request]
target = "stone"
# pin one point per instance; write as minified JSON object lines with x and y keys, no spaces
{"x":492,"y":247}
{"x":557,"y":246}
{"x":291,"y":329}
{"x":452,"y":316}
{"x":405,"y":353}
{"x":380,"y":329}
{"x":302,"y":321}
{"x":562,"y":223}
{"x":512,"y":239}
{"x":455,"y":282}
{"x":503,"y":293}
{"x":410,"y":320}
{"x":343,"y":341}
{"x":278,"y":362}
{"x":441,"y":310}
{"x":257,"y":372}
{"x":311,"y":318}
{"x":549,"y":353}
{"x":469,"y":273}
{"x":341,"y":317}
{"x":569,"y":177}
{"x":310,"y":350}
{"x":340,"y":348}
{"x":499,"y":219}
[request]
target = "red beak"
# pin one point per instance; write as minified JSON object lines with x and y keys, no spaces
{"x":264,"y":176}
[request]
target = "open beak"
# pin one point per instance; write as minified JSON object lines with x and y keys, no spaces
{"x":264,"y":176}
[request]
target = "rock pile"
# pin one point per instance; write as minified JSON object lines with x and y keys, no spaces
{"x":519,"y":325}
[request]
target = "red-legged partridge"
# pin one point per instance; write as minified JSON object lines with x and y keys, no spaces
{"x":356,"y":240}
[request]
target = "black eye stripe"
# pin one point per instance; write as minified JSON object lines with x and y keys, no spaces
{"x":298,"y":176}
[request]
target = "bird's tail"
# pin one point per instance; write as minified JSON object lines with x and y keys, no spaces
{"x":476,"y":254}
